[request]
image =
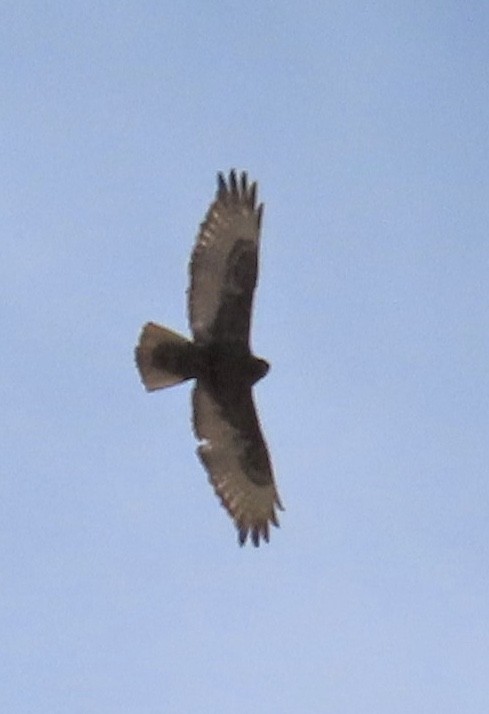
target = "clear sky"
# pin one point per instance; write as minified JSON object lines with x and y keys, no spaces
{"x":123,"y":589}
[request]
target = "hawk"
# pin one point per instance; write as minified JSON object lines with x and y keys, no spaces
{"x":223,"y":274}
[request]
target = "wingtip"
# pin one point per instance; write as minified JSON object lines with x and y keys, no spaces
{"x":221,"y":185}
{"x":255,"y":537}
{"x":244,"y":182}
{"x":255,"y":532}
{"x":260,"y":214}
{"x":236,"y":185}
{"x":233,"y":183}
{"x":279,"y":503}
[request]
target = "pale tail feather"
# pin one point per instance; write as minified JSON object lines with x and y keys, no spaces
{"x":163,"y":357}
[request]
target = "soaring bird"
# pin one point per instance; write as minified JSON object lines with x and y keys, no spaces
{"x":223,"y":275}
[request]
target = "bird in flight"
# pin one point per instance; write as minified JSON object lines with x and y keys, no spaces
{"x":223,"y":274}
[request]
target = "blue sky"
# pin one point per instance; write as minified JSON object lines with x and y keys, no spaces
{"x":366,"y":125}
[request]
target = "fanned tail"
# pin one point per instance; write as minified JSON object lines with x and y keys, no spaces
{"x":164,"y":357}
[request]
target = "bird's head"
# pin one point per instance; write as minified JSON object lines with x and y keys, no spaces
{"x":260,"y":368}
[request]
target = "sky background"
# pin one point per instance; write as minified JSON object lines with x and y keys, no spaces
{"x":123,"y":589}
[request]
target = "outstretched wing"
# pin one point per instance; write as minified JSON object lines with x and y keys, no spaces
{"x":224,"y":264}
{"x":236,"y":457}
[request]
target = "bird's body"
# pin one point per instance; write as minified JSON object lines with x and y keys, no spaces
{"x":223,"y":272}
